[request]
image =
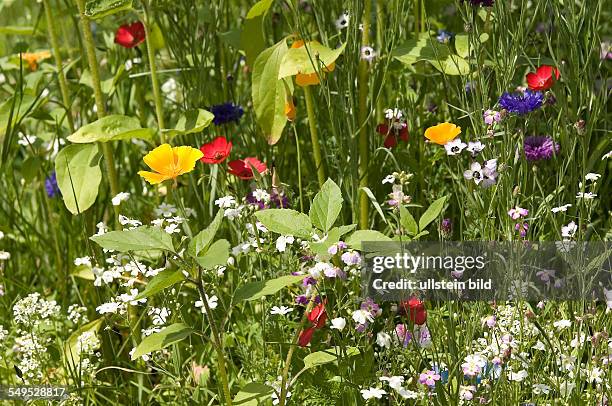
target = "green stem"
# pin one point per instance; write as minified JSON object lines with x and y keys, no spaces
{"x":157,"y":98}
{"x":217,"y":342}
{"x":314,"y":136}
{"x":299,"y":166}
{"x":363,"y":90}
{"x":92,"y":60}
{"x":59,"y":63}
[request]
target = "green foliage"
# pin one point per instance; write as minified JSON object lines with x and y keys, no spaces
{"x":204,"y":238}
{"x":310,"y":58}
{"x":161,"y":281}
{"x":256,"y":290}
{"x":78,"y":176}
{"x":97,"y":9}
{"x":326,"y":206}
{"x":252,"y":394}
{"x":193,"y":121}
{"x":144,"y":238}
{"x":252,"y":37}
{"x":111,"y":128}
{"x":285,"y":222}
{"x":432,"y":212}
{"x":318,"y":358}
{"x":156,"y":341}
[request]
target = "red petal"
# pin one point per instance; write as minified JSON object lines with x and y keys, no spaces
{"x":306,"y":336}
{"x":390,"y":141}
{"x":382,"y":129}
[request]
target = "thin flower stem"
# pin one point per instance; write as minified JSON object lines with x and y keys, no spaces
{"x":283,"y":393}
{"x":363,"y":89}
{"x":59,"y":63}
{"x":217,"y":341}
{"x":157,"y":99}
{"x":92,"y":60}
{"x":299,"y":166}
{"x":314,"y":136}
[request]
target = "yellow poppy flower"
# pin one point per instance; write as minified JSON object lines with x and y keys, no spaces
{"x":33,"y":58}
{"x":168,"y":162}
{"x":442,"y":133}
{"x":308,"y":79}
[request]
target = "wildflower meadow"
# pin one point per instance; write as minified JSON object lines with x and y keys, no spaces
{"x":305,"y":202}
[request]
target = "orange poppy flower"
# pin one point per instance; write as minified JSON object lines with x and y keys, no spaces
{"x":290,"y":110}
{"x":33,"y":58}
{"x":168,"y":162}
{"x":308,"y":79}
{"x":442,"y":133}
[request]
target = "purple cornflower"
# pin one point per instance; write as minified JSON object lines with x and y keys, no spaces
{"x":444,"y":36}
{"x":521,"y":103}
{"x":226,"y":113}
{"x":539,"y":147}
{"x":51,"y":186}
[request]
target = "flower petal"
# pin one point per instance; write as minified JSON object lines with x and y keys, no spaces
{"x":152,"y":177}
{"x":185,"y":159}
{"x":161,"y":159}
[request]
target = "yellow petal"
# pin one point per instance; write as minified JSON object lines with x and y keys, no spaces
{"x":307,"y":79}
{"x":442,"y":133}
{"x":185,"y":159}
{"x":161,"y":160}
{"x":152,"y":177}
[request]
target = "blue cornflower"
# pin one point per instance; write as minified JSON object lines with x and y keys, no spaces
{"x":521,"y":103}
{"x":226,"y":113}
{"x":444,"y":36}
{"x":51,"y":186}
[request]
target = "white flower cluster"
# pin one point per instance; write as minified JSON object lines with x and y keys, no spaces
{"x":33,"y":310}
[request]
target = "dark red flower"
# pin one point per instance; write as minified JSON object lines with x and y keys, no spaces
{"x":216,"y":151}
{"x":243,"y":168}
{"x":130,"y":35}
{"x":317,"y":317}
{"x":415,"y":309}
{"x":393,"y":132}
{"x":543,"y":78}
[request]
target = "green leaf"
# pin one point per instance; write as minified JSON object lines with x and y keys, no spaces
{"x":326,"y":206}
{"x":408,"y":222}
{"x":191,"y":122}
{"x":375,"y":203}
{"x":358,"y":237}
{"x":252,"y":37}
{"x":452,"y":65}
{"x":203,"y":239}
{"x":285,"y":222}
{"x":431,"y":213}
{"x":101,"y":8}
{"x":310,"y":58}
{"x":161,"y":281}
{"x":156,"y":341}
{"x":16,"y":30}
{"x":253,"y":394}
{"x":137,"y":239}
{"x":71,"y":350}
{"x":111,"y":128}
{"x":422,"y":49}
{"x":217,"y":254}
{"x":231,"y":38}
{"x":462,"y":45}
{"x":255,"y":290}
{"x":318,"y":358}
{"x":269,"y":94}
{"x":78,"y":176}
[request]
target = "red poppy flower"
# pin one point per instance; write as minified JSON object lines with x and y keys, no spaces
{"x":318,"y":317}
{"x":543,"y":78}
{"x":393,"y":132}
{"x":130,"y":35}
{"x":216,"y":151}
{"x":415,"y":309}
{"x":243,"y":168}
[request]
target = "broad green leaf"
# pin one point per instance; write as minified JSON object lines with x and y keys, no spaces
{"x":285,"y":222}
{"x":191,"y":122}
{"x":156,"y":341}
{"x":452,"y":65}
{"x":217,"y":254}
{"x":101,"y":8}
{"x":161,"y":281}
{"x":137,"y":239}
{"x":432,"y":213}
{"x":358,"y":237}
{"x":408,"y":222}
{"x":310,"y":58}
{"x":83,"y":272}
{"x":16,"y":30}
{"x":78,"y":176}
{"x":423,"y":49}
{"x":231,"y":38}
{"x":326,"y":356}
{"x":253,"y":394}
{"x":269,"y":93}
{"x":203,"y":239}
{"x":255,"y":290}
{"x":252,"y":38}
{"x":375,"y":203}
{"x":326,"y":206}
{"x":462,"y":45}
{"x":111,"y":128}
{"x":333,"y":236}
{"x":72,"y":355}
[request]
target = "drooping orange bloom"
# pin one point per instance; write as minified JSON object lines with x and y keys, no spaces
{"x":290,"y":110}
{"x":33,"y":58}
{"x":442,"y":133}
{"x":308,"y":79}
{"x":168,"y":162}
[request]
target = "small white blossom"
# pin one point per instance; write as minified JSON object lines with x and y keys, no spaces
{"x":389,"y":179}
{"x":372,"y":393}
{"x":283,"y":241}
{"x":282,"y":310}
{"x":120,"y":197}
{"x":342,"y":21}
{"x":454,"y":147}
{"x":225,"y":202}
{"x":561,"y":208}
{"x":338,"y":323}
